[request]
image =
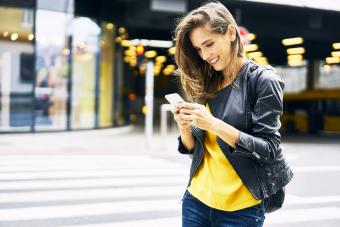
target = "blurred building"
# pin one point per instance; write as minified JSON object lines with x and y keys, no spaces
{"x":72,"y":64}
{"x":58,"y":71}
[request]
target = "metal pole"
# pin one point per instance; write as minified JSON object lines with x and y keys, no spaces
{"x":149,"y":86}
{"x":164,"y":121}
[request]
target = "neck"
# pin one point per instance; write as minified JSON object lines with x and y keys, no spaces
{"x":229,"y":76}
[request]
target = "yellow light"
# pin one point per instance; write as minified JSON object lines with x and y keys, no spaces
{"x":295,"y":62}
{"x":332,"y":60}
{"x":118,"y":39}
{"x":250,"y":47}
{"x":161,"y":59}
{"x":126,"y":43}
{"x":133,"y":63}
{"x":171,"y":66}
{"x":251,"y":36}
{"x":295,"y":57}
{"x":297,"y":50}
{"x":5,"y":34}
{"x":156,"y":68}
{"x":121,"y":30}
{"x":144,"y":110}
{"x":335,"y":54}
{"x":30,"y":37}
{"x":172,"y":50}
{"x":133,"y":48}
{"x":127,"y":59}
{"x":142,"y":69}
{"x":109,"y":26}
{"x":261,"y":61}
{"x":66,"y":51}
{"x":156,"y":72}
{"x":256,"y":54}
{"x":326,"y":68}
{"x":292,"y":41}
{"x":129,"y":52}
{"x":167,"y":71}
{"x":101,"y":43}
{"x":157,"y":63}
{"x":14,"y":36}
{"x":336,"y":46}
{"x":150,"y":54}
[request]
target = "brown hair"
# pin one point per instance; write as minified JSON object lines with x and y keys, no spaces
{"x":199,"y":80}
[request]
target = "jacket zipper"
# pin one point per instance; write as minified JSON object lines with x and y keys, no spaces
{"x":260,"y":182}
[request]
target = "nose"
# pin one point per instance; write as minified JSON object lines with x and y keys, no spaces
{"x":205,"y":55}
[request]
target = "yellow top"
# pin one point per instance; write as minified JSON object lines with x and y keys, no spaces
{"x":216,"y":183}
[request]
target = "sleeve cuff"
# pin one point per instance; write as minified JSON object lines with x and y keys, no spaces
{"x":181,"y":148}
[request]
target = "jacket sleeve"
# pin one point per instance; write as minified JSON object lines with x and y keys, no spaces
{"x":181,"y":148}
{"x":264,"y":141}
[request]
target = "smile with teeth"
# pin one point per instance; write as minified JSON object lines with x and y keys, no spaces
{"x":214,"y":60}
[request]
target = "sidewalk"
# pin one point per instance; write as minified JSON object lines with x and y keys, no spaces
{"x":123,"y":140}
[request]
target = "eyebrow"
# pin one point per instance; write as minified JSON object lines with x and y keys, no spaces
{"x":203,"y":43}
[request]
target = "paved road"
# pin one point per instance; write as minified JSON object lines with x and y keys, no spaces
{"x":104,"y":179}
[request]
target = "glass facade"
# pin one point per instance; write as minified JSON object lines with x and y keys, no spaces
{"x":85,"y":49}
{"x":16,"y":68}
{"x":57,"y":70}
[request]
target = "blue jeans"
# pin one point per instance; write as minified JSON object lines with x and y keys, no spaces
{"x":197,"y":214}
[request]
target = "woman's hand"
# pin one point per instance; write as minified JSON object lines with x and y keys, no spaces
{"x":182,"y":124}
{"x":196,"y":115}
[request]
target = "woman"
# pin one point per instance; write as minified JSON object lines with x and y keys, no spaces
{"x":231,"y":129}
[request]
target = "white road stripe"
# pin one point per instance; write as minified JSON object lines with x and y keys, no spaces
{"x":36,"y":213}
{"x":76,"y":183}
{"x":86,"y":166}
{"x":302,"y":215}
{"x":94,"y":173}
{"x":65,"y":195}
{"x":310,"y":169}
{"x":163,"y":222}
{"x":300,"y":200}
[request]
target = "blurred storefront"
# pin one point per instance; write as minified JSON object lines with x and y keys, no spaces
{"x":56,"y":68}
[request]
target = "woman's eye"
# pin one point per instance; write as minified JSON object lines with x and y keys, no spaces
{"x":209,"y":44}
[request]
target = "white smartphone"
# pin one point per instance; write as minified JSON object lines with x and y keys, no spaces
{"x":174,"y":98}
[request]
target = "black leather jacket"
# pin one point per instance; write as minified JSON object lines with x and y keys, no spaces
{"x":257,"y":157}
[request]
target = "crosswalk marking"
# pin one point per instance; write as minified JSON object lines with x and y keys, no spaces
{"x":118,"y":193}
{"x":93,"y":173}
{"x":301,"y":215}
{"x":39,"y":188}
{"x":78,"y":183}
{"x":35,"y":213}
{"x":163,"y":222}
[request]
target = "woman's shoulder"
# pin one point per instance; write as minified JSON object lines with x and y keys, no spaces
{"x":266,"y":75}
{"x":265,"y":79}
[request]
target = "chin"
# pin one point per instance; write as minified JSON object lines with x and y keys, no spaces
{"x":218,"y":68}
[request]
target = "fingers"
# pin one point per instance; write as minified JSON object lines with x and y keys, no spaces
{"x":188,"y":118}
{"x":186,"y":105}
{"x":179,"y":118}
{"x":175,"y":109}
{"x":187,"y":111}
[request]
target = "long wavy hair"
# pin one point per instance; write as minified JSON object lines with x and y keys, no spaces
{"x":199,"y":80}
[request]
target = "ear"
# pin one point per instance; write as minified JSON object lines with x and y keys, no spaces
{"x":231,"y":31}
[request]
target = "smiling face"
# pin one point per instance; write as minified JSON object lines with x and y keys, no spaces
{"x":214,"y":48}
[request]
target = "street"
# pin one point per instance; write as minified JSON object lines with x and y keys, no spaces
{"x":106,"y":178}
